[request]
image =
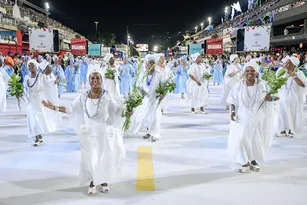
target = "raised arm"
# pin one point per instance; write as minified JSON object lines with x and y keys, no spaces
{"x":49,"y":105}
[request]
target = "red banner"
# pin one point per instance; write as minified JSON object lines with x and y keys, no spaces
{"x":170,"y":52}
{"x":78,"y":46}
{"x":214,"y":46}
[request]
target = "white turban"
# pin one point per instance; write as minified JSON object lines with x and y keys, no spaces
{"x":44,"y":65}
{"x":233,"y":57}
{"x":108,"y":57}
{"x":158,"y":56}
{"x":55,"y":58}
{"x":195,"y":56}
{"x":34,"y":62}
{"x":39,"y":57}
{"x":252,"y":63}
{"x":295,"y":61}
{"x":96,"y":69}
{"x":150,"y":57}
{"x":183,"y":58}
{"x":48,"y":56}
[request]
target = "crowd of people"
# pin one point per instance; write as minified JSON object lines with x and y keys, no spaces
{"x":34,"y":16}
{"x":242,"y":19}
{"x":97,"y":112}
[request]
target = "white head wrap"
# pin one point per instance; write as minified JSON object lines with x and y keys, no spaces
{"x":39,"y":57}
{"x":294,"y":60}
{"x":195,"y":56}
{"x":150,"y":57}
{"x":233,"y":57}
{"x":108,"y":57}
{"x":48,"y":56}
{"x":34,"y":62}
{"x":183,"y":58}
{"x":294,"y":55}
{"x":54,"y":58}
{"x":96,"y":69}
{"x":44,"y":65}
{"x":158,"y":56}
{"x":2,"y":59}
{"x":252,"y":63}
{"x":147,"y":57}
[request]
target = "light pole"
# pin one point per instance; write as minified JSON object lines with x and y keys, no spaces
{"x":202,"y":25}
{"x":196,"y":27}
{"x":155,"y":48}
{"x":128,"y":39}
{"x":210,"y":20}
{"x":47,"y":7}
{"x":96,"y":22}
{"x":226,"y":13}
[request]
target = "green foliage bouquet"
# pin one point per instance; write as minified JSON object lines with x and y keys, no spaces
{"x":207,"y":76}
{"x":16,"y":88}
{"x":166,"y":87}
{"x":110,"y":73}
{"x":275,"y":82}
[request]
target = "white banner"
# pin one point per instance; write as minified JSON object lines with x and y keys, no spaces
{"x":142,"y":47}
{"x":105,"y":50}
{"x":41,"y":39}
{"x":257,"y":38}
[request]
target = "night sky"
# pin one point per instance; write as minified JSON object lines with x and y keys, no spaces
{"x":145,"y":19}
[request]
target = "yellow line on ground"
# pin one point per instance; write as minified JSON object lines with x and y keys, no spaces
{"x":145,"y":172}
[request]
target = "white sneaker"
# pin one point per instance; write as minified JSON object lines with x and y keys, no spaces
{"x":105,"y":189}
{"x":39,"y":143}
{"x":91,"y":191}
{"x":153,"y":139}
{"x":290,"y":135}
{"x":255,"y":168}
{"x":244,"y":169}
{"x":281,"y":135}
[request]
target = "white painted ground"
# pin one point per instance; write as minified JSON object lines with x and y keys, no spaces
{"x":190,"y":163}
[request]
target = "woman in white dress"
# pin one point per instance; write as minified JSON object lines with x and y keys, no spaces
{"x":197,"y":85}
{"x":166,"y":75}
{"x":36,"y":86}
{"x":232,"y":76}
{"x":4,"y":80}
{"x":148,"y":115}
{"x":97,"y":118}
{"x":111,"y":85}
{"x":250,"y":132}
{"x":290,"y":108}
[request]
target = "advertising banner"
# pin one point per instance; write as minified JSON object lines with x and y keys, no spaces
{"x":183,"y":50}
{"x":78,"y":46}
{"x":195,"y":48}
{"x":105,"y":50}
{"x":41,"y":39}
{"x":142,"y":47}
{"x":257,"y":38}
{"x":214,"y":46}
{"x":94,"y":49}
